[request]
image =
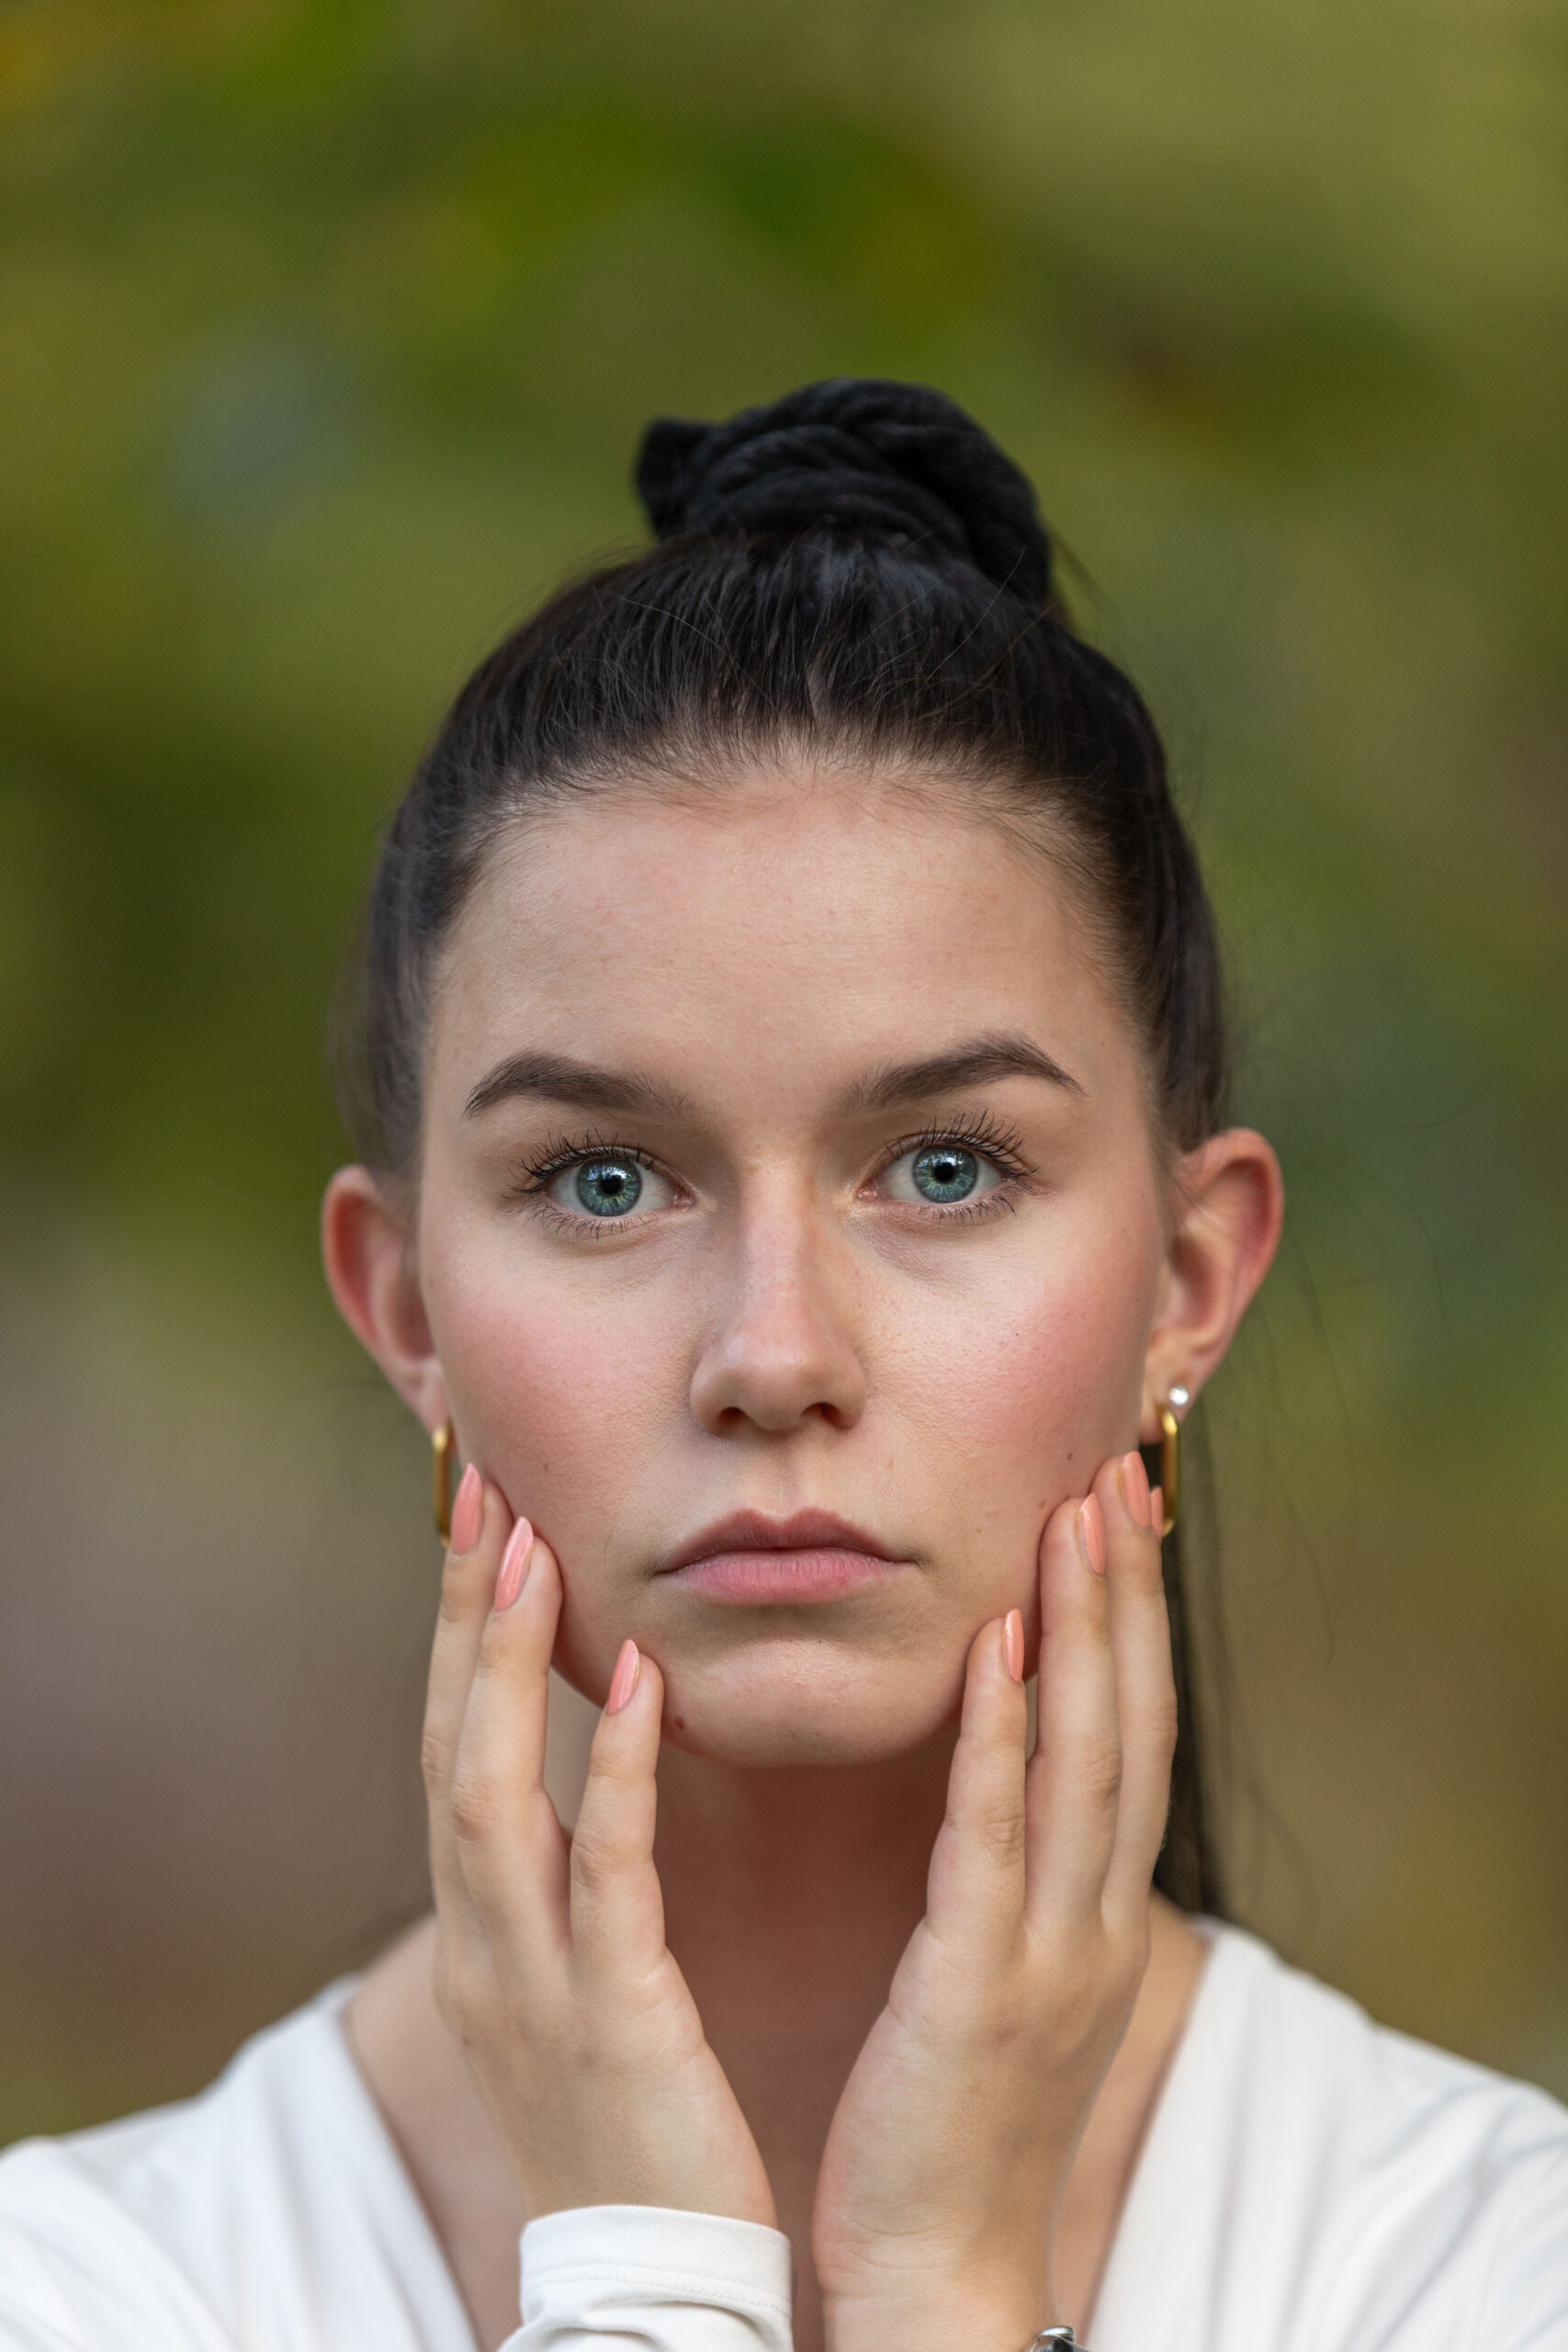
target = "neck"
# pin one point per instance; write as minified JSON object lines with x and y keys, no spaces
{"x":789,"y":1896}
{"x":796,"y":1856}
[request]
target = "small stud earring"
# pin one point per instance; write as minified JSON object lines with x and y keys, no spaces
{"x":1170,"y":1454}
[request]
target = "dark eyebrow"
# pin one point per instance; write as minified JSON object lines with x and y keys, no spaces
{"x":977,"y":1062}
{"x":557,"y":1079}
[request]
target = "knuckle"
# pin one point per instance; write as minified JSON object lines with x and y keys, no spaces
{"x":1099,"y":1772}
{"x":436,"y":1757}
{"x":1163,"y":1724}
{"x":1080,"y":2019}
{"x":1140,"y":1572}
{"x":1148,"y":1574}
{"x":494,"y":1647}
{"x":475,"y":1804}
{"x":1002,"y":1831}
{"x":459,"y":1591}
{"x":1083,"y":1613}
{"x":1086,"y":1986}
{"x":597,"y":1861}
{"x":607,"y":1772}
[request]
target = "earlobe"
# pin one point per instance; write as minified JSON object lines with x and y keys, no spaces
{"x":1230,"y":1206}
{"x":365,"y":1251}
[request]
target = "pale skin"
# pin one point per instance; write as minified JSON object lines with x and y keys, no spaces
{"x":829,"y":1949}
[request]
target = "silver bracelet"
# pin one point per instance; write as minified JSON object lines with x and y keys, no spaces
{"x":1055,"y":2339}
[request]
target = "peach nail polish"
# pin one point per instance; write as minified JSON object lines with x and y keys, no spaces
{"x":1012,"y":1642}
{"x":514,"y":1565}
{"x":1156,"y":1510}
{"x":469,"y":1511}
{"x":1134,"y":1481}
{"x":1092,"y":1533}
{"x":623,"y":1681}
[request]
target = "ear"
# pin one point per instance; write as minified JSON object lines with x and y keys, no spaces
{"x":1230,"y":1203}
{"x":371,"y":1274}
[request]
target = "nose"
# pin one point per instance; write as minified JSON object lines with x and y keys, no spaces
{"x":782,"y":1350}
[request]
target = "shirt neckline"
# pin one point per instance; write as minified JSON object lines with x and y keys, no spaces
{"x":415,"y":2229}
{"x":1155,"y":2175}
{"x":1164,"y":2177}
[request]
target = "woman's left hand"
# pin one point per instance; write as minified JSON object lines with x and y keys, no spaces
{"x":948,"y":2153}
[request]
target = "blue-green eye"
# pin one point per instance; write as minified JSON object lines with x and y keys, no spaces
{"x":610,"y":1184}
{"x":940,"y":1175}
{"x":608,"y":1187}
{"x":944,"y":1172}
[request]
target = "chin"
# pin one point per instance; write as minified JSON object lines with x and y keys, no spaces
{"x":749,"y":1713}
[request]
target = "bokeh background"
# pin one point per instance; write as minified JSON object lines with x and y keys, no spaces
{"x":327,"y":330}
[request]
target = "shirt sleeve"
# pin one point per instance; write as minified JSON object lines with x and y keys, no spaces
{"x":619,"y":2275}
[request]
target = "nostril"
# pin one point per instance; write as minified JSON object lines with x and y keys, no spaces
{"x":775,"y":1404}
{"x":782,"y":1361}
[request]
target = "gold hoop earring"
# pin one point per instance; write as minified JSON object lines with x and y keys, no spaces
{"x":443,"y":1458}
{"x":1171,"y":1457}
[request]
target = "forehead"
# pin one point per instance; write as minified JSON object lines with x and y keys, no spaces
{"x":815,"y":923}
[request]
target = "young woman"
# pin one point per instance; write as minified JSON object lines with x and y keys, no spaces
{"x":796,"y":1183}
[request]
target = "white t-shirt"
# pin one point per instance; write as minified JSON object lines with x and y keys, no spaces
{"x":1309,"y":2183}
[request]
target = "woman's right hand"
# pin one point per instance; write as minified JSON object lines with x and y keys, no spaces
{"x":551,"y":1965}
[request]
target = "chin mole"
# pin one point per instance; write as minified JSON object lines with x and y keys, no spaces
{"x":680,"y":1723}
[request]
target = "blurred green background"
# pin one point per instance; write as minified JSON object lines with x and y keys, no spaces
{"x":327,"y":332}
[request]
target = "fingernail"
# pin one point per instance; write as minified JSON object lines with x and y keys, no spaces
{"x":624,"y":1680}
{"x":469,"y":1511}
{"x":1134,"y":1481}
{"x":514,"y":1565}
{"x":1157,"y":1511}
{"x":1092,"y":1533}
{"x":1012,"y":1642}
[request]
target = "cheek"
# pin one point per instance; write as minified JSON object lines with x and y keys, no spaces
{"x":1021,"y":1392}
{"x":560,"y":1390}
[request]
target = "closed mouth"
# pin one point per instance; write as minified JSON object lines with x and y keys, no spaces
{"x":811,"y":1555}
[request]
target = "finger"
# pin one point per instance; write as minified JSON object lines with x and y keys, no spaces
{"x":509,"y":1841}
{"x":467,"y":1582}
{"x":617,"y":1908}
{"x":1075,"y":1775}
{"x":1146,"y":1687}
{"x":976,"y":1889}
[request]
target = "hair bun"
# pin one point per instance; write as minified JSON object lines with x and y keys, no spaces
{"x":859,"y":454}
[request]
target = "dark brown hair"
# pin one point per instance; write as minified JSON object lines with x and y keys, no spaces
{"x":854,"y":571}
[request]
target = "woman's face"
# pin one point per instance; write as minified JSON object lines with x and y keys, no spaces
{"x":786,"y":1154}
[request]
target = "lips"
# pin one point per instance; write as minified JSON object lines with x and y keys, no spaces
{"x":752,"y":1560}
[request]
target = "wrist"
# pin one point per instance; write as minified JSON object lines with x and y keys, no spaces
{"x":992,"y":2316}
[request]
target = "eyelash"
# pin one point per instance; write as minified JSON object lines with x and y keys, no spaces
{"x":987,"y":1135}
{"x":531,"y":1178}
